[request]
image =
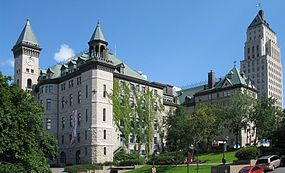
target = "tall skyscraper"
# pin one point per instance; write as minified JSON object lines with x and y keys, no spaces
{"x":262,"y":61}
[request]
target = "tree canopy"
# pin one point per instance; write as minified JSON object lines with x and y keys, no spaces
{"x":24,"y":146}
{"x":266,"y":117}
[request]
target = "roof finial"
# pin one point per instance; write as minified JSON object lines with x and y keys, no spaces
{"x":235,"y":63}
{"x":98,"y":23}
{"x":28,"y":21}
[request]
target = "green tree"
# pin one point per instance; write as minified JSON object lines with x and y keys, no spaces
{"x":177,"y":130}
{"x":24,"y":146}
{"x":203,"y":125}
{"x":266,"y":117}
{"x":237,"y":113}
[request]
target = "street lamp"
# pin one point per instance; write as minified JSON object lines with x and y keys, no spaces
{"x":224,"y":149}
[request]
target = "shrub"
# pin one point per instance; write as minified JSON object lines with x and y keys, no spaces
{"x":168,"y":158}
{"x":75,"y":168}
{"x":132,"y":162}
{"x":122,"y":155}
{"x":248,"y":153}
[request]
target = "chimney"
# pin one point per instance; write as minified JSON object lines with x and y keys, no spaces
{"x":211,"y":79}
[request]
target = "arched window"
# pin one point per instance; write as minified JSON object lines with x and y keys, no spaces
{"x":91,"y":51}
{"x":102,"y":48}
{"x":77,"y":156}
{"x":29,"y":83}
{"x":62,"y":157}
{"x":97,"y":50}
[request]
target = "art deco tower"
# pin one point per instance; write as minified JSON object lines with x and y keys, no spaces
{"x":262,"y":61}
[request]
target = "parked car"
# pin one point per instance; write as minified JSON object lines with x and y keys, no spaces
{"x":251,"y":169}
{"x":268,"y":162}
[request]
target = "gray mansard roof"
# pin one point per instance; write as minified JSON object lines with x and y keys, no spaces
{"x":128,"y":71}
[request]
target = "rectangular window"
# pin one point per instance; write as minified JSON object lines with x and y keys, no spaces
{"x":131,"y":102}
{"x":46,"y":89}
{"x":32,"y":70}
{"x":62,"y":87}
{"x":104,"y":91}
{"x":48,"y":104}
{"x":71,"y":84}
{"x":155,"y":140}
{"x":137,"y":88}
{"x":78,"y":80}
{"x":86,"y":90}
{"x":70,"y":100}
{"x":121,"y":100}
{"x":104,"y":114}
{"x":143,"y":90}
{"x":78,"y":137}
{"x":155,"y":106}
{"x":155,"y":92}
{"x":27,"y":70}
{"x":143,"y":104}
{"x":48,"y":124}
{"x":79,"y":97}
{"x":155,"y":125}
{"x":42,"y":90}
{"x":85,"y":149}
{"x":121,"y":84}
{"x":63,"y":122}
{"x":62,"y":102}
{"x":104,"y":134}
{"x":132,"y":87}
{"x":79,"y":119}
{"x":70,"y":137}
{"x":105,"y":151}
{"x":70,"y":120}
{"x":86,"y":137}
{"x":131,"y":139}
{"x":86,"y":115}
{"x":50,"y":88}
{"x":62,"y":139}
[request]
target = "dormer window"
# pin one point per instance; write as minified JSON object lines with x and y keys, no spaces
{"x":122,"y":70}
{"x":70,"y":69}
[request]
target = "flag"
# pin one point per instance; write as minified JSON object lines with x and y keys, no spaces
{"x":74,"y":123}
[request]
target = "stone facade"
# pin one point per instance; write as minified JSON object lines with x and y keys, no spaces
{"x":262,"y":60}
{"x":82,"y":84}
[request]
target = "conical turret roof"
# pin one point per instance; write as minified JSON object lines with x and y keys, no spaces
{"x":27,"y":36}
{"x":98,"y":34}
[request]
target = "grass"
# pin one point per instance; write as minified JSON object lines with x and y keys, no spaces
{"x":217,"y":157}
{"x":171,"y":169}
{"x":210,"y":158}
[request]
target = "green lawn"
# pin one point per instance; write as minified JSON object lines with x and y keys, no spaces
{"x":217,"y":158}
{"x":172,"y":169}
{"x":210,"y":158}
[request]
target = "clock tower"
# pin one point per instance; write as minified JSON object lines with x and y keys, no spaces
{"x":26,"y":53}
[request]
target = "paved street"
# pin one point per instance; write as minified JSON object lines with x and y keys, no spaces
{"x":279,"y":170}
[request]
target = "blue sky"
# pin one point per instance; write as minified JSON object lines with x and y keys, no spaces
{"x":173,"y":42}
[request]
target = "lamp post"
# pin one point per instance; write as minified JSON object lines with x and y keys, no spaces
{"x":224,"y":149}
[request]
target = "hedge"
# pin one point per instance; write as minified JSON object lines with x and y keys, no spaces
{"x":248,"y":153}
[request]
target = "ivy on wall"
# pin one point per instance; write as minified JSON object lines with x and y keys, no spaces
{"x":134,"y":113}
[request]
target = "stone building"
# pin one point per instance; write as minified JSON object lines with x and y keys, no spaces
{"x":219,"y":93}
{"x":82,"y":84}
{"x":262,"y":61}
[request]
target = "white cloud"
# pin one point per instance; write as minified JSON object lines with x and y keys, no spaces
{"x":8,"y":62}
{"x":65,"y":52}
